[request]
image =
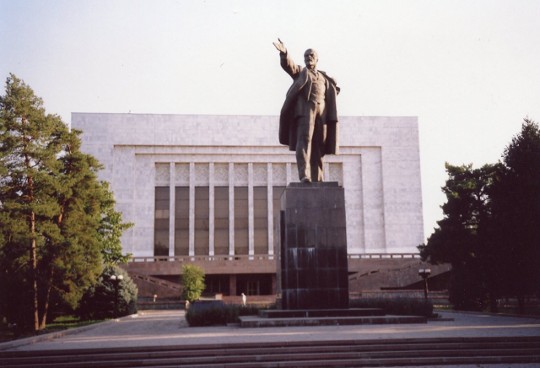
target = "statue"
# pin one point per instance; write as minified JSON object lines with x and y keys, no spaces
{"x":308,"y":119}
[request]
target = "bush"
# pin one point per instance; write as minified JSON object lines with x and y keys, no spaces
{"x":207,"y":313}
{"x":98,"y":301}
{"x":215,"y":312}
{"x":396,"y":305}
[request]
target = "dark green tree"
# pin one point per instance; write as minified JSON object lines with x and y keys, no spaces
{"x":516,"y":222}
{"x":83,"y":188}
{"x":55,"y":214}
{"x":459,"y":238}
{"x":99,"y":300}
{"x":490,"y":232}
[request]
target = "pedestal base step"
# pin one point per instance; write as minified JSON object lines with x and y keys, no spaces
{"x":309,"y":313}
{"x":256,"y":321}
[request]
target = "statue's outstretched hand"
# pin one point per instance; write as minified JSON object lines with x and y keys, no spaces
{"x":280,"y":46}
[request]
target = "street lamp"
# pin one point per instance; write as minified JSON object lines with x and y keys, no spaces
{"x":116,"y":279}
{"x":424,"y":273}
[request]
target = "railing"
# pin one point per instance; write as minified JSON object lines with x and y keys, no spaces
{"x":257,"y":257}
{"x":385,"y":256}
{"x":264,"y":257}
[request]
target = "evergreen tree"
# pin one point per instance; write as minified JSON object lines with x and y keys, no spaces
{"x":111,"y":230}
{"x":490,"y":232}
{"x":56,"y":217}
{"x":459,"y":239}
{"x":516,"y":222}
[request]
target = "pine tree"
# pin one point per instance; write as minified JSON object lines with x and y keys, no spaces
{"x":516,"y":226}
{"x":55,"y":214}
{"x":459,"y":239}
{"x":30,"y":143}
{"x":491,"y":227}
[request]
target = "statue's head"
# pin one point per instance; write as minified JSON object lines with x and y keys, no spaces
{"x":311,"y":58}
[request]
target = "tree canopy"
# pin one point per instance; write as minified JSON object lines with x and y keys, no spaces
{"x":516,"y":212}
{"x":490,"y":231}
{"x":58,"y":223}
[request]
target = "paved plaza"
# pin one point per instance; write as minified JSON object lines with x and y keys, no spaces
{"x":150,"y":328}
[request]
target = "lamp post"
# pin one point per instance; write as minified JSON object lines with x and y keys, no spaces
{"x":424,"y":273}
{"x":116,"y":279}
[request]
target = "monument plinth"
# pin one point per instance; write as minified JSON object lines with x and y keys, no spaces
{"x":312,"y":254}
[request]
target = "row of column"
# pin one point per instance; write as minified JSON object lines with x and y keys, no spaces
{"x":211,"y":203}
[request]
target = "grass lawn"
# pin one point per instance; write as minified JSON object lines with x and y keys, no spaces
{"x":59,"y":324}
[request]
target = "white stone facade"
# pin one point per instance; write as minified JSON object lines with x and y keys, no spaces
{"x":378,"y":166}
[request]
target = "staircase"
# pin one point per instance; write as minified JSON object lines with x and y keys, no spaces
{"x":149,"y":286}
{"x":357,"y":353}
{"x":377,"y":274}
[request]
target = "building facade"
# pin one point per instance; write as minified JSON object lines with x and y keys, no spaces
{"x":209,"y":186}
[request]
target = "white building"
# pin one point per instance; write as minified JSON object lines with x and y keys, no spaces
{"x":200,"y":185}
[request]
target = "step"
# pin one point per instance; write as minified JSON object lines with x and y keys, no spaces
{"x":307,"y":313}
{"x":336,"y":353}
{"x":256,"y":321}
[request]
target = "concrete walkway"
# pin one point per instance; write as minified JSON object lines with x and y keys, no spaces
{"x":151,"y":328}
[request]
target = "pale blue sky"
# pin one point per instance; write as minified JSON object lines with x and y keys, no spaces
{"x":469,"y":69}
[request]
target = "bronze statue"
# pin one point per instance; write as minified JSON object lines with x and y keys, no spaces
{"x":308,"y":120}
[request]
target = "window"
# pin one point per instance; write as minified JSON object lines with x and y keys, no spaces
{"x":241,"y":235}
{"x":260,"y":220}
{"x":161,"y":221}
{"x":221,"y":220}
{"x":181,"y":221}
{"x":201,"y":221}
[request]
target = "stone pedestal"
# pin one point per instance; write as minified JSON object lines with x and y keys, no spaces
{"x":312,"y":254}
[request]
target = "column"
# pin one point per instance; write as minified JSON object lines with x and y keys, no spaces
{"x":251,"y":231}
{"x":232,"y":285}
{"x":191,"y":208}
{"x":231,"y":210}
{"x":172,"y":202}
{"x":270,"y":208}
{"x":211,"y":203}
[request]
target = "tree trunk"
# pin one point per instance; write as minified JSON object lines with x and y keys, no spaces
{"x":33,"y":260}
{"x":32,"y":225}
{"x":46,"y":300}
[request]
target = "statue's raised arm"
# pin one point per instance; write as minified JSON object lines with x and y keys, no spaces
{"x":280,"y":46}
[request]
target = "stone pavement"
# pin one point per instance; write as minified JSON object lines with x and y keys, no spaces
{"x":150,"y":328}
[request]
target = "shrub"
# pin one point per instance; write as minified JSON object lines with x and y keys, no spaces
{"x":206,"y":313}
{"x":98,"y":302}
{"x":396,"y":305}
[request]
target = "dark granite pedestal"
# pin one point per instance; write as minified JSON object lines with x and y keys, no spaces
{"x":312,"y":269}
{"x":312,"y":254}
